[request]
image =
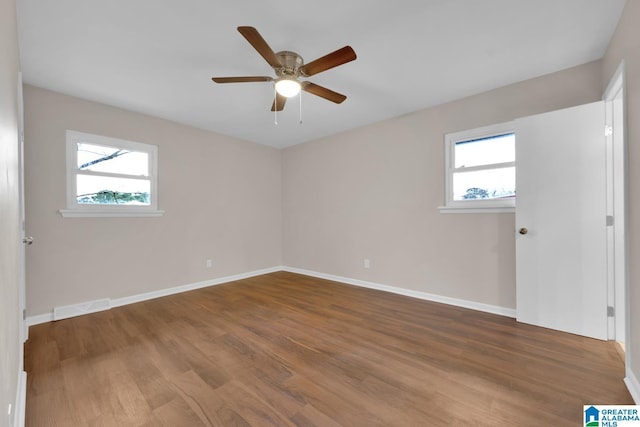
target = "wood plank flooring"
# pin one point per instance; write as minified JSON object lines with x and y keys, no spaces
{"x":291,"y":350}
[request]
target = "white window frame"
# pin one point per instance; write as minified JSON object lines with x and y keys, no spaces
{"x":75,"y":209}
{"x":476,"y":205}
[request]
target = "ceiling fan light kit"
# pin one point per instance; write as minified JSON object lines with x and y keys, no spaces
{"x":289,"y":67}
{"x":288,"y":86}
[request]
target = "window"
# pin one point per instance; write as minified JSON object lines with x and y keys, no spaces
{"x":110,"y":177}
{"x":480,"y":167}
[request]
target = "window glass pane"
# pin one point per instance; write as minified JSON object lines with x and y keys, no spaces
{"x":101,"y":190}
{"x":485,"y":151}
{"x":485,"y":184}
{"x":99,"y":158}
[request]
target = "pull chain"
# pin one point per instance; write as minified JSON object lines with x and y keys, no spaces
{"x":275,"y":105}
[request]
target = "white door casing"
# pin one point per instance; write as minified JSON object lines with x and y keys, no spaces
{"x":21,"y":218}
{"x":616,"y":205}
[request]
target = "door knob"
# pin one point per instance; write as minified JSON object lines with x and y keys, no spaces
{"x":28,"y":240}
{"x":523,"y":230}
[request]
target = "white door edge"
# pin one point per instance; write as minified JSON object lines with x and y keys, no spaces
{"x":24,"y":332}
{"x":614,"y":96}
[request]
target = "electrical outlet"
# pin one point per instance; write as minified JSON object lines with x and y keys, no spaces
{"x":209,"y":263}
{"x":367,"y":263}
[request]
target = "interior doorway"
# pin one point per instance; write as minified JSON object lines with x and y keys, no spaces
{"x":603,"y":305}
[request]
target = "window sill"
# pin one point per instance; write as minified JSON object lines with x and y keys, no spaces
{"x":476,"y":209}
{"x":96,"y":213}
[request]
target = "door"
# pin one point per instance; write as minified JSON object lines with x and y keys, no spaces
{"x":561,"y":236}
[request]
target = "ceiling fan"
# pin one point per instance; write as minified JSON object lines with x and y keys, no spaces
{"x":289,"y":67}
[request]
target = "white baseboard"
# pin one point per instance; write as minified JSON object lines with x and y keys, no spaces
{"x":39,"y":318}
{"x":502,"y":311}
{"x":178,"y":289}
{"x":86,"y":307}
{"x":73,"y":310}
{"x":105,"y":304}
{"x":633,"y":385}
{"x":21,"y":400}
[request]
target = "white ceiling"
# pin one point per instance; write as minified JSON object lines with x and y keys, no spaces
{"x":158,"y":56}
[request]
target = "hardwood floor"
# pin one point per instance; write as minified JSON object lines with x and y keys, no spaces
{"x":290,"y":350}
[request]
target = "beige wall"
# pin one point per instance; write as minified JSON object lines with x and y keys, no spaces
{"x":9,"y":212}
{"x":222,"y":199}
{"x":373,"y":193}
{"x":625,"y":45}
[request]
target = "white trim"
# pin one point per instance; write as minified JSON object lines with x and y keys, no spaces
{"x":86,"y":307}
{"x":39,"y":318}
{"x":502,"y":311}
{"x":185,"y":288}
{"x":118,"y":302}
{"x":481,"y":205}
{"x":616,"y":83}
{"x":21,"y":400}
{"x":73,"y":209}
{"x":99,"y":305}
{"x":22,"y":257}
{"x":495,"y":209}
{"x":610,"y":211}
{"x":633,"y":385}
{"x":617,"y":88}
{"x":107,"y":213}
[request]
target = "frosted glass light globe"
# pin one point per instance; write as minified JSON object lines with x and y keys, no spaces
{"x":287,"y":87}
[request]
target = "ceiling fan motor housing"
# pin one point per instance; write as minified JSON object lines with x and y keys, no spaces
{"x":291,"y":62}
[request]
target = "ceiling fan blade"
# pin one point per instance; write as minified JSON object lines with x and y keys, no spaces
{"x":323,"y":92}
{"x":255,"y":39}
{"x":241,"y":79}
{"x":339,"y":57}
{"x":278,"y":102}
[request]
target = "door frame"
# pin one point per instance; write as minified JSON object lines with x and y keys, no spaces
{"x":617,"y":197}
{"x":22,"y":274}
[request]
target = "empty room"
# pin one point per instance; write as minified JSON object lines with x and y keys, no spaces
{"x":371,"y":214}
